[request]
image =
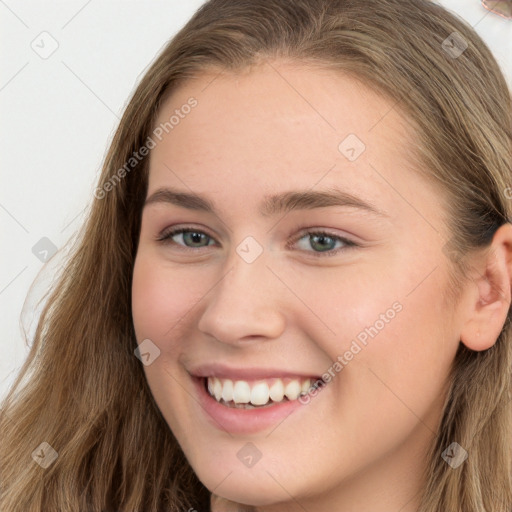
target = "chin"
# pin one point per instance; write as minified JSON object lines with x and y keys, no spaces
{"x":258,"y":490}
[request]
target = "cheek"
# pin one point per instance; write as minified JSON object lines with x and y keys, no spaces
{"x":406,"y":361}
{"x":395,"y":337}
{"x":160,"y":298}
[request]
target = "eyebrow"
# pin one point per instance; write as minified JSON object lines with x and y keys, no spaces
{"x":272,"y":204}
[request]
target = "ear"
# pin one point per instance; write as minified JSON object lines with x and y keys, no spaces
{"x":491,"y":295}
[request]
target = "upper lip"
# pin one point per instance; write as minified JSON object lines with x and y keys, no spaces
{"x":248,"y":373}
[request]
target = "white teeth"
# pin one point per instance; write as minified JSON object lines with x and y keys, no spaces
{"x":241,"y":392}
{"x":258,"y":393}
{"x":305,"y":387}
{"x":277,"y":391}
{"x":292,"y":390}
{"x":217,"y":389}
{"x":227,"y":391}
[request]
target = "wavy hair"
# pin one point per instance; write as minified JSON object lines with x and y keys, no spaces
{"x":81,"y":388}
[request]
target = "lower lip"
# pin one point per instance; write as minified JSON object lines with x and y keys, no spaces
{"x":242,"y":421}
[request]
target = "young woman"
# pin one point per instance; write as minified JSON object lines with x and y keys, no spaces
{"x":293,"y":288}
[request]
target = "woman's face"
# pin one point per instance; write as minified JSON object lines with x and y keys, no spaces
{"x":311,"y":250}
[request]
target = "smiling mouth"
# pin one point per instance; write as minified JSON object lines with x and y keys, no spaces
{"x":257,"y":394}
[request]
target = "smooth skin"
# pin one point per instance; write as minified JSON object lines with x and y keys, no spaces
{"x":360,"y":444}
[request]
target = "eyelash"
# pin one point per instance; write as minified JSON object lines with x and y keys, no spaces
{"x":166,"y":235}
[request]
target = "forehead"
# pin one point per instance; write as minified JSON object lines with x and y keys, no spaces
{"x":288,"y":99}
{"x":280,"y":124}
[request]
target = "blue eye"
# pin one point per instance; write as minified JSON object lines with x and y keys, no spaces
{"x":188,"y":235}
{"x":324,"y":243}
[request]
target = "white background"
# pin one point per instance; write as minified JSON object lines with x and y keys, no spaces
{"x":59,"y":114}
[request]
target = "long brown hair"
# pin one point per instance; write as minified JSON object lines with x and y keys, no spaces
{"x":83,"y":391}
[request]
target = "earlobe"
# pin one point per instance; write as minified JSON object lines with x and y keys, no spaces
{"x":491,"y":299}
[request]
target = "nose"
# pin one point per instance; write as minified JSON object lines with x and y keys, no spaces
{"x":245,"y":304}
